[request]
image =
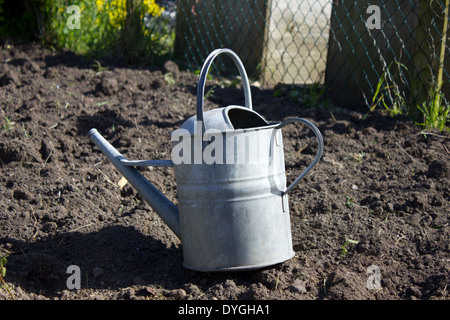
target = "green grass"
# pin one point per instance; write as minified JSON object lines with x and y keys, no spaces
{"x":431,"y":113}
{"x":435,"y":111}
{"x":387,"y":95}
{"x":7,"y":124}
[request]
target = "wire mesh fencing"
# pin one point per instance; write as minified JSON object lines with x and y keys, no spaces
{"x":367,"y":53}
{"x":398,"y":62}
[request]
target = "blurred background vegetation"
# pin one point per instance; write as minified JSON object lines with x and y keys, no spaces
{"x":136,"y":30}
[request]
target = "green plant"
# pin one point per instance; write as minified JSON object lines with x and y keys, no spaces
{"x":210,"y":92}
{"x":3,"y":262}
{"x":435,"y":111}
{"x":314,"y":96}
{"x":278,"y":93}
{"x":344,"y":247}
{"x":7,"y":124}
{"x":349,"y":202}
{"x":169,"y":78}
{"x":98,"y":67}
{"x":132,"y":29}
{"x":27,"y":135}
{"x":276,"y":282}
{"x":387,"y":92}
{"x":209,"y":75}
{"x":93,"y":36}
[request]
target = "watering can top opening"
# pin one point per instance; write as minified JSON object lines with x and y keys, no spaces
{"x":225,"y":119}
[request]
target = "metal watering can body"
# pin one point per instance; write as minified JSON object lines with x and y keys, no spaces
{"x":231,"y":184}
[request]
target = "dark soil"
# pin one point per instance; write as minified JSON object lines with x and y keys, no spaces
{"x":381,"y":183}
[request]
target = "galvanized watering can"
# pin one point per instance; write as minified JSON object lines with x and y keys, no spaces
{"x":231,"y":185}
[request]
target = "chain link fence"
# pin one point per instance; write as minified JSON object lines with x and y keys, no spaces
{"x":401,"y":61}
{"x":365,"y":52}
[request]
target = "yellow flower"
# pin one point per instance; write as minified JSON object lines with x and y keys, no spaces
{"x":117,"y":9}
{"x":152,"y":8}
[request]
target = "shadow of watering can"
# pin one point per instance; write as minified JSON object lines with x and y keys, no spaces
{"x":231,"y":185}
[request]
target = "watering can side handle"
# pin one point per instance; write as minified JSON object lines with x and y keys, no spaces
{"x":319,"y":151}
{"x":204,"y":73}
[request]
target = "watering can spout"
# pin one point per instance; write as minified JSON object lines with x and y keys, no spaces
{"x":162,"y":206}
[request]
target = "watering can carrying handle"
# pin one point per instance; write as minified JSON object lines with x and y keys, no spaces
{"x":204,"y":73}
{"x":319,"y":151}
